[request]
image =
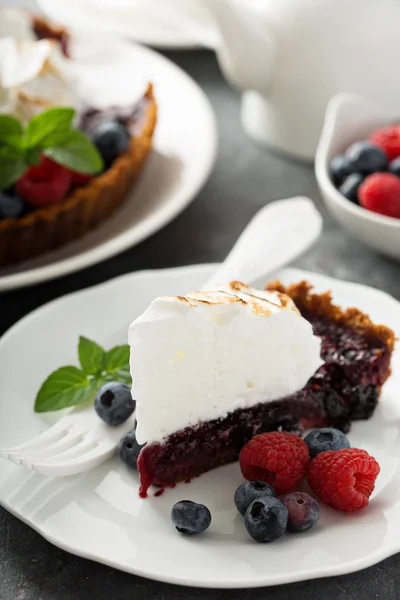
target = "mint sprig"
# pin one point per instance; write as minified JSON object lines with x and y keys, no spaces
{"x":72,"y":386}
{"x":50,"y":133}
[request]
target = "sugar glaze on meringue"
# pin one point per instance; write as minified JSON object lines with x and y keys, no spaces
{"x":198,"y":357}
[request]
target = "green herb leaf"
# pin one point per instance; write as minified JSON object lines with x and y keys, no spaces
{"x":123,"y":376}
{"x":12,"y":166}
{"x":91,"y":356}
{"x":117,"y":364}
{"x":76,"y":152}
{"x":32,"y":156}
{"x":117,"y":359}
{"x":9,"y":128}
{"x":45,"y":123}
{"x":65,"y":387}
{"x":70,"y":386}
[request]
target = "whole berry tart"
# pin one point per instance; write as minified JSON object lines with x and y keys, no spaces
{"x":211,"y":370}
{"x":66,"y":166}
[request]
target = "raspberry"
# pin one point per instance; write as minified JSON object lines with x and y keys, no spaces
{"x":44,"y":184}
{"x":279,"y":459}
{"x":388,"y":139}
{"x":78,"y":179}
{"x":380,"y":193}
{"x":343,"y":478}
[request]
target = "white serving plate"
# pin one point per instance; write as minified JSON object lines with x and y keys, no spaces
{"x":100,"y":516}
{"x":112,"y":71}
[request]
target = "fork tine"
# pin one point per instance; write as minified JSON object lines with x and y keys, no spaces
{"x":84,"y":446}
{"x":70,"y":439}
{"x":94,"y":457}
{"x":48,"y":437}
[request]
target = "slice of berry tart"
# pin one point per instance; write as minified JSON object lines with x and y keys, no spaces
{"x":65,"y":166}
{"x":213,"y":369}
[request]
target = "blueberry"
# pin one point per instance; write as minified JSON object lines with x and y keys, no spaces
{"x":349,"y":187}
{"x":111,"y":139}
{"x":366,"y":158}
{"x":340,"y":168}
{"x":129,"y":449}
{"x":321,"y":440}
{"x":114,"y":403}
{"x":249,"y":491}
{"x":11,"y":206}
{"x":190,"y":517}
{"x":303,"y":511}
{"x":394,"y":167}
{"x":266,"y":519}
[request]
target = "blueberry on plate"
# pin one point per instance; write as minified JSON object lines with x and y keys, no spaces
{"x":114,"y":403}
{"x":129,"y":449}
{"x":249,"y":491}
{"x":322,"y":440}
{"x":349,"y":187}
{"x":11,"y":206}
{"x":340,"y":168}
{"x":303,"y":511}
{"x":190,"y":518}
{"x":366,"y":158}
{"x":394,"y":167}
{"x":266,"y":519}
{"x":112,"y":140}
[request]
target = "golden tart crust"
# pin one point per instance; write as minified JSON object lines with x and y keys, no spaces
{"x":86,"y":207}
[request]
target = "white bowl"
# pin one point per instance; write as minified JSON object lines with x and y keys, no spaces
{"x":348,"y":119}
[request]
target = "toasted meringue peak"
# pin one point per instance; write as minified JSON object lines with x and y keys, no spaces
{"x":260,"y":302}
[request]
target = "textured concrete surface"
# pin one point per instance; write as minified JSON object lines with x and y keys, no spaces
{"x":244,"y":179}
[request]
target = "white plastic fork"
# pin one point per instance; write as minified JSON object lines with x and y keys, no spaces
{"x":80,"y":441}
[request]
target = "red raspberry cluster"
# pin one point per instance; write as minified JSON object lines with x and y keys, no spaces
{"x":48,"y":183}
{"x":344,"y":478}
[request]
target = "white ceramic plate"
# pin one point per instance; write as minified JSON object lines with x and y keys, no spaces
{"x":116,"y":72}
{"x":100,"y":516}
{"x":144,"y":21}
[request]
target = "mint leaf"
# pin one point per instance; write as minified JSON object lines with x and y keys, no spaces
{"x":12,"y":167}
{"x":70,"y":386}
{"x":9,"y":128}
{"x":76,"y":152}
{"x":123,"y":376}
{"x":45,"y":123}
{"x":65,"y":387}
{"x":32,"y":156}
{"x":117,"y":359}
{"x":117,"y":364}
{"x":91,"y":356}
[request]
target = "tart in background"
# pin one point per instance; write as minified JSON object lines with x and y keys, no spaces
{"x":88,"y":204}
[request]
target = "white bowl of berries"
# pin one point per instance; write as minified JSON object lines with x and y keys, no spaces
{"x":357,"y":167}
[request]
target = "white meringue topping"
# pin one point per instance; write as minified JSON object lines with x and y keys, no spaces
{"x":201,"y":356}
{"x":34,"y":74}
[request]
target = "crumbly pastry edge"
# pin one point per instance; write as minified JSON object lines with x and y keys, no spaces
{"x":322,"y":304}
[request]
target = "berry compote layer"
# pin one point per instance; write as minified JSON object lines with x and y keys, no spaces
{"x":347,"y":387}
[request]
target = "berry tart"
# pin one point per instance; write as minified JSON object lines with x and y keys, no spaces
{"x":66,"y":166}
{"x":211,"y":370}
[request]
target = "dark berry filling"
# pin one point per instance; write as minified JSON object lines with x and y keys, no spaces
{"x":345,"y":388}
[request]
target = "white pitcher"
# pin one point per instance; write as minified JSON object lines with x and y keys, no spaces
{"x":291,"y":56}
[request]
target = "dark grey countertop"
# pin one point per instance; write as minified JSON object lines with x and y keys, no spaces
{"x":244,"y":179}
